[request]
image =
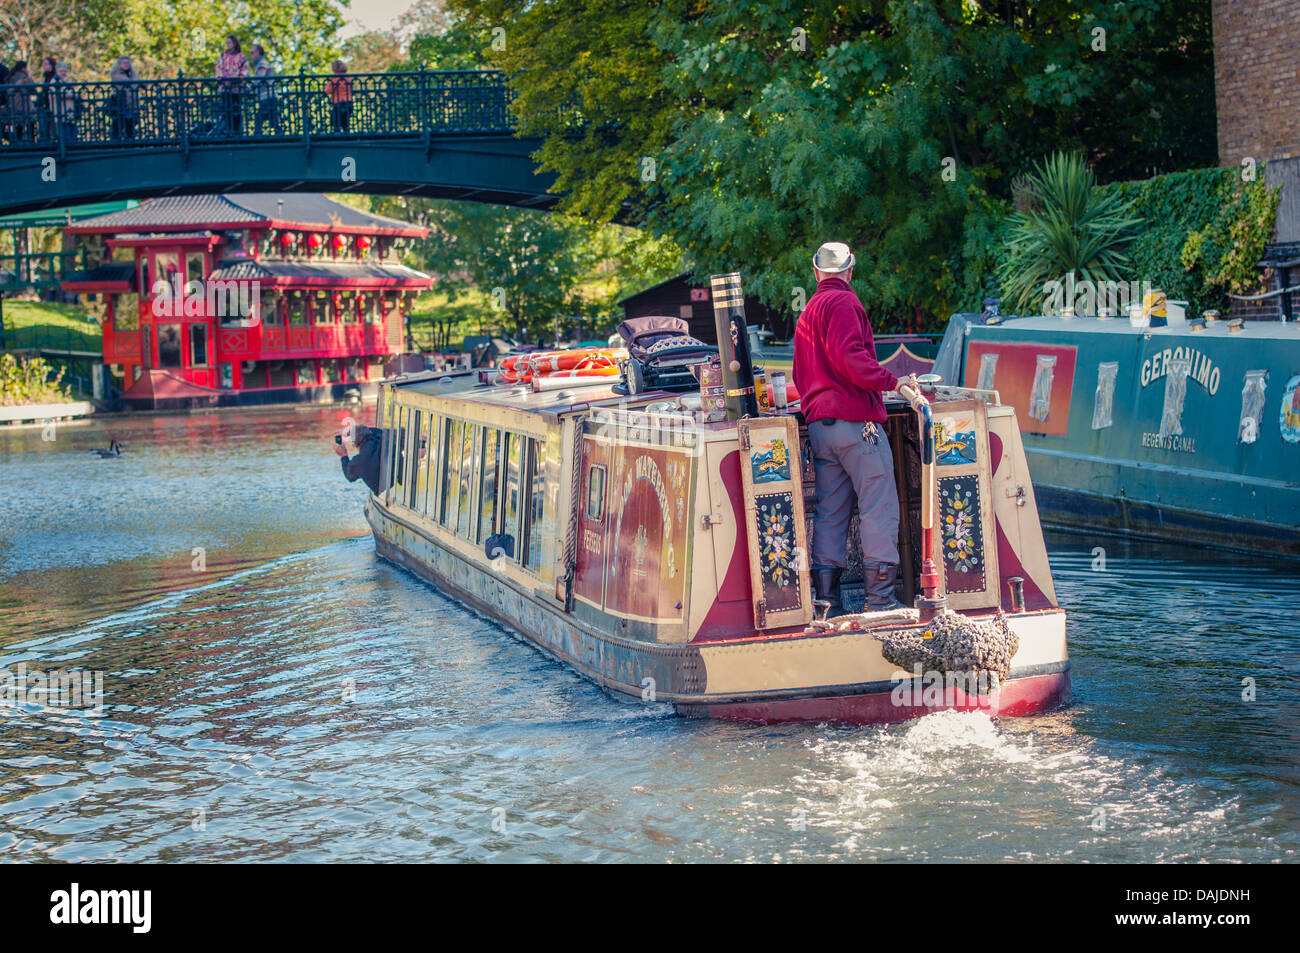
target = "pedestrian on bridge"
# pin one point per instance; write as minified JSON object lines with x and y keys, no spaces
{"x":339,"y":89}
{"x":66,"y":101}
{"x":232,"y":70}
{"x":124,"y":107}
{"x":20,"y":122}
{"x":263,"y":83}
{"x":45,"y":103}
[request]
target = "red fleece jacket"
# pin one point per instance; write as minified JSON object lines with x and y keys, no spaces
{"x":835,"y":366}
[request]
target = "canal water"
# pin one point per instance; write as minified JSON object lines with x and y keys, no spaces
{"x":272,"y":691}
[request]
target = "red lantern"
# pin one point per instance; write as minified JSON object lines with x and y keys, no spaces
{"x":286,"y":239}
{"x":340,"y":241}
{"x":363,"y":243}
{"x":313,"y":241}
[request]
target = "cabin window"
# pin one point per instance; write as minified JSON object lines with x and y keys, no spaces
{"x":416,"y":482}
{"x":1252,"y":406}
{"x":536,"y":531}
{"x":144,"y":286}
{"x":298,"y":312}
{"x":227,"y":374}
{"x":988,"y":367}
{"x":270,"y":308}
{"x":169,"y":345}
{"x":433,"y":439}
{"x":304,"y":373}
{"x":1171,"y":418}
{"x":488,"y":484}
{"x":333,"y":368}
{"x":512,"y":456}
{"x":1104,"y":405}
{"x":167,"y":267}
{"x":466,"y":507}
{"x":281,"y":374}
{"x":198,"y":345}
{"x":1040,"y":395}
{"x":450,"y":469}
{"x":399,"y":462}
{"x":351,"y":311}
{"x":194,"y":267}
{"x":596,"y":493}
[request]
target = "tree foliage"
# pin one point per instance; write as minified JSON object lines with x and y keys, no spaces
{"x":1069,"y":228}
{"x":895,"y":125}
{"x":165,"y":38}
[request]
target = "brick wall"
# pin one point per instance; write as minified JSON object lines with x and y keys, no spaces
{"x":1257,"y":78}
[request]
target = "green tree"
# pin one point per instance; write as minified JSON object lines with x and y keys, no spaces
{"x":896,"y":126}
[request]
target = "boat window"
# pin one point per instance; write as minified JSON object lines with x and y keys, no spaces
{"x":126,"y":313}
{"x":466,"y":477}
{"x":167,"y":267}
{"x":487,"y":517}
{"x":298,"y":310}
{"x":988,"y":365}
{"x":596,"y":493}
{"x":1252,"y":406}
{"x":270,"y":308}
{"x":1104,"y":405}
{"x":1040,"y":395}
{"x":429,"y":499}
{"x":514,"y":474}
{"x":169,"y":345}
{"x":419,"y":485}
{"x":450,"y":468}
{"x":1171,"y":420}
{"x":198,"y":345}
{"x":399,"y":462}
{"x":536,"y":532}
{"x":304,"y":373}
{"x":194,"y":267}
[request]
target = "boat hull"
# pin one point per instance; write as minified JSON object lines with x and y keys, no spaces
{"x":765,"y":678}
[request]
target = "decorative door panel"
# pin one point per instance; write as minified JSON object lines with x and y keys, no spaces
{"x":966,"y":538}
{"x":772,"y":483}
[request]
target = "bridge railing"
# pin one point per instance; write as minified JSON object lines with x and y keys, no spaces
{"x":186,"y":111}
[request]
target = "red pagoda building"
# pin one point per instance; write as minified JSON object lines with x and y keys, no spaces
{"x":215,"y":300}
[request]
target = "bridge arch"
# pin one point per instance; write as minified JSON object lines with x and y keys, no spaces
{"x":440,"y":135}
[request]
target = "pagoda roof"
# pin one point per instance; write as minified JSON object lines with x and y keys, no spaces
{"x":279,"y":274}
{"x":186,"y":213}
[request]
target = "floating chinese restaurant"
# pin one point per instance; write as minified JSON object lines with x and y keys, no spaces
{"x":652,"y":540}
{"x":217,"y":300}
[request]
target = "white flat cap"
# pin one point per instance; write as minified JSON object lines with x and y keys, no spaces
{"x":833,"y":258}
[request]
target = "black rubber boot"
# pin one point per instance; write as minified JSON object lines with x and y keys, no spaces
{"x":880,"y":580}
{"x":826,"y":585}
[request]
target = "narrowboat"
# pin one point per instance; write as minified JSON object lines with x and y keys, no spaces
{"x":654,"y":543}
{"x":1188,"y":431}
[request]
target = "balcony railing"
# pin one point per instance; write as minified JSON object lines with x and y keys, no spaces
{"x":183,"y":111}
{"x":39,"y":269}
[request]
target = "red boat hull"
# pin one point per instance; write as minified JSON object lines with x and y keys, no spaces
{"x":1020,"y":696}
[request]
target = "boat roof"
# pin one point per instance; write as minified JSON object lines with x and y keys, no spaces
{"x":1274,"y":330}
{"x":547,"y":404}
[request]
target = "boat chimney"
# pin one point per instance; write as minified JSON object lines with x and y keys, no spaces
{"x":733,"y":345}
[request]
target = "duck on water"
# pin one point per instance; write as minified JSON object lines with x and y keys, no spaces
{"x":656,"y":543}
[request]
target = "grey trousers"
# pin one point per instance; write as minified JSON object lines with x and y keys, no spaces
{"x":850,"y":467}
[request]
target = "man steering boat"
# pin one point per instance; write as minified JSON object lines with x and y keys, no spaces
{"x":841,"y":384}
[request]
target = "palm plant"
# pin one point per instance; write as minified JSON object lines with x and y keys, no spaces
{"x":1066,"y":225}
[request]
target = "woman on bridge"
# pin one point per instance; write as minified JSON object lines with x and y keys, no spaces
{"x":20,"y":123}
{"x":124,"y":107}
{"x":232,"y":70}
